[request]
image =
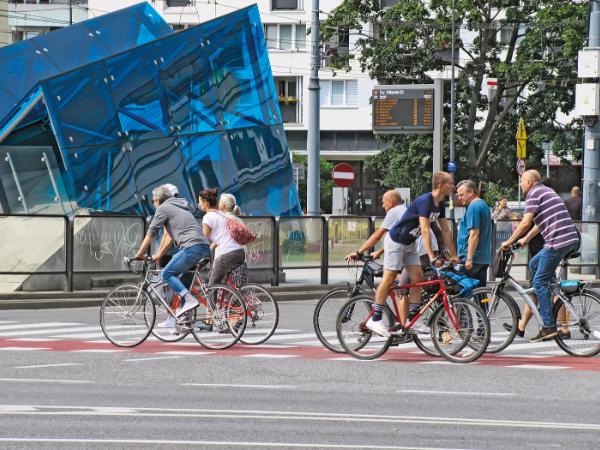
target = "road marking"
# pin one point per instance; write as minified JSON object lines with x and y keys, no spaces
{"x":154,"y":358}
{"x":48,"y":365}
{"x":535,"y":366}
{"x":23,"y":349}
{"x":146,"y":442}
{"x":470,"y":394}
{"x":269,"y":355}
{"x":38,"y":380}
{"x":99,"y":350}
{"x":25,"y":326}
{"x":188,"y":353}
{"x":443,"y":363}
{"x":350,"y":358}
{"x":249,"y":386}
{"x":33,"y":339}
{"x":51,"y":331}
{"x":519,"y":355}
{"x":253,"y":415}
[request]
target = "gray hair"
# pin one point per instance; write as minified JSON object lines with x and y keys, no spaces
{"x":468,"y":184}
{"x":161,"y":194}
{"x":229,"y":204}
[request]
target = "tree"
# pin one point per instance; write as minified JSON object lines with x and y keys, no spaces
{"x":326,"y":183}
{"x":530,"y":47}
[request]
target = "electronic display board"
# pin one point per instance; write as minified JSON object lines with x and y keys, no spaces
{"x":403,"y":109}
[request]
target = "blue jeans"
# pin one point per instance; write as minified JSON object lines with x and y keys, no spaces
{"x":543,"y":269}
{"x":183,"y":261}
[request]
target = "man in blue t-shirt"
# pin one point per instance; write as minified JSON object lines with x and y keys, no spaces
{"x":415,"y":222}
{"x":474,"y":240}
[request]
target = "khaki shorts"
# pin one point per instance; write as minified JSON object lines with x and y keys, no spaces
{"x":396,"y":256}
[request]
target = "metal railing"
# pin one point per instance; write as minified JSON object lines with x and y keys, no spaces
{"x":96,"y":244}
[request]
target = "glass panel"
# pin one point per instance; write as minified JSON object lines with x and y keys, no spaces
{"x":504,"y":230}
{"x":156,"y":162}
{"x":26,"y":63}
{"x":337,"y":93}
{"x":346,"y":234}
{"x":301,"y":37}
{"x":285,"y":37}
{"x":16,"y":239}
{"x":259,"y":254}
{"x":300,"y":241}
{"x":101,"y":178}
{"x":265,"y":182}
{"x":208,"y":163}
{"x":188,"y":82}
{"x":589,"y":243}
{"x":34,"y":180}
{"x":100,"y":243}
{"x":378,"y":223}
{"x":351,"y":92}
{"x":82,"y":109}
{"x":285,"y":4}
{"x":241,"y":70}
{"x":271,"y":36}
{"x":139,"y":98}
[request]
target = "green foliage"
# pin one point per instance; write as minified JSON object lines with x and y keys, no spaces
{"x":535,"y":66}
{"x":326,"y":183}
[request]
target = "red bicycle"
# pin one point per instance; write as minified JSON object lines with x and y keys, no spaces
{"x":459,"y":328}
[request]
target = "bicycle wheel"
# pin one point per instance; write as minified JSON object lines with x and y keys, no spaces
{"x":263,"y":314}
{"x":325,"y":316}
{"x":501,"y":310}
{"x":583,"y":338}
{"x":422,"y":335}
{"x":220,"y":327}
{"x":352,"y":333}
{"x":164,"y":326}
{"x":127,"y":315}
{"x":464,"y":331}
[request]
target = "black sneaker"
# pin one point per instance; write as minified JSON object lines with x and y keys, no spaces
{"x":545,"y":334}
{"x":507,"y":327}
{"x":397,"y":340}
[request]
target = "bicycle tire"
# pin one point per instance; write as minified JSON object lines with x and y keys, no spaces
{"x":500,"y":310}
{"x":127,"y":315}
{"x":470,"y":340}
{"x":166,"y":333}
{"x":356,"y":340}
{"x":325,"y":317}
{"x":263,"y":314}
{"x":584,"y":338}
{"x":220,"y":327}
{"x":424,"y":341}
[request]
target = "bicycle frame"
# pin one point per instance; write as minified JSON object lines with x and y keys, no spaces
{"x":525,"y":294}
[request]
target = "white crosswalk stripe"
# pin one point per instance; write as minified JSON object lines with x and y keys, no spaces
{"x":283,"y":338}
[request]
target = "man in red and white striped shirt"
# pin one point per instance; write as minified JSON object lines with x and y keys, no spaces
{"x":545,"y":211}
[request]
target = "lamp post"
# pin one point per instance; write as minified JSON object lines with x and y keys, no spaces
{"x":452,"y":107}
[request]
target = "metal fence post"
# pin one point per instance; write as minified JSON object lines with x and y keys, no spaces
{"x":597,"y":250}
{"x":491,"y":274}
{"x":69,"y":242}
{"x":324,"y":250}
{"x":275,"y":252}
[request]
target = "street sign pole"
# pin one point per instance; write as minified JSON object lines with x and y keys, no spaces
{"x":313,"y":187}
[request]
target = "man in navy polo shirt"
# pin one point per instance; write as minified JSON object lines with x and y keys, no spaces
{"x":545,"y":209}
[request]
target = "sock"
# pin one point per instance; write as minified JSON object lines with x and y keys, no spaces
{"x":377,"y":312}
{"x":413,"y":309}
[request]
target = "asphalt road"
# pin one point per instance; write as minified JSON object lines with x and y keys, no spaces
{"x":63,"y":386}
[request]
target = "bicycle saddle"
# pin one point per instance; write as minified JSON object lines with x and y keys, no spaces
{"x":202,"y":263}
{"x":574,"y":254}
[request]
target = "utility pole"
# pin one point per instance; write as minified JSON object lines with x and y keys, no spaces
{"x":591,"y":151}
{"x":452,"y":118}
{"x":70,"y":12}
{"x":314,"y":124}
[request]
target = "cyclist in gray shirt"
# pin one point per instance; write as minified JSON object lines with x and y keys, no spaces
{"x":182,"y":228}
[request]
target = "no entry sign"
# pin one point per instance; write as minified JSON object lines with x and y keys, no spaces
{"x":343,"y":175}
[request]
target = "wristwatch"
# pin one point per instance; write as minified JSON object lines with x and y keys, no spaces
{"x":469,"y":260}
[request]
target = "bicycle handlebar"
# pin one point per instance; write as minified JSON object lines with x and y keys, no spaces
{"x":146,"y":262}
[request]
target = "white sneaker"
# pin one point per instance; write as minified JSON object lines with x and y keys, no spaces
{"x":378,"y":327}
{"x":190,"y":303}
{"x":168,"y":323}
{"x":596,"y":334}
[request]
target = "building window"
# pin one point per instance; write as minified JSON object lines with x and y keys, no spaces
{"x":178,"y":3}
{"x":286,"y":36}
{"x":290,"y":5}
{"x":339,"y":93}
{"x":288,"y":94}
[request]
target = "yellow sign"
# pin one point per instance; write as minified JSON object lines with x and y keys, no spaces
{"x":521,"y":140}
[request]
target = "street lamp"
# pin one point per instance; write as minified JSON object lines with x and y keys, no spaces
{"x":452,"y":107}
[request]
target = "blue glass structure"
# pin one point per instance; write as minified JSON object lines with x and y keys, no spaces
{"x":197,"y":108}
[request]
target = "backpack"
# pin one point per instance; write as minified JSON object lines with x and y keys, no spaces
{"x":239,"y":231}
